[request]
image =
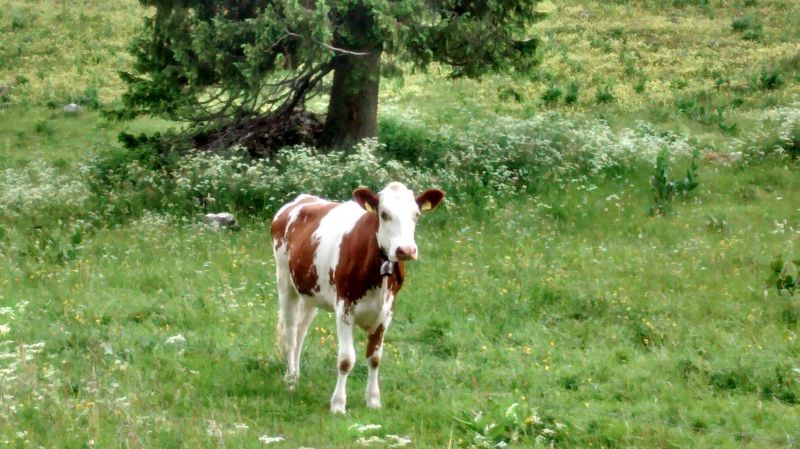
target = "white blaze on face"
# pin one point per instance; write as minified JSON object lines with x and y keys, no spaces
{"x":398,"y":213}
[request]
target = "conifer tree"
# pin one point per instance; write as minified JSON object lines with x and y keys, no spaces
{"x":224,"y":64}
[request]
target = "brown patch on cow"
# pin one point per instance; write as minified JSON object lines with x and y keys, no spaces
{"x":359,"y":267}
{"x":278,"y":228}
{"x":345,"y":365}
{"x":300,"y":244}
{"x":396,"y":281}
{"x":375,"y":362}
{"x":330,"y":276}
{"x":374,"y":341}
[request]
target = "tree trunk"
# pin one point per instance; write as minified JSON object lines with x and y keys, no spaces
{"x":353,"y":107}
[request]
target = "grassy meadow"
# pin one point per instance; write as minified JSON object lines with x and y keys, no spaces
{"x":549,"y":308}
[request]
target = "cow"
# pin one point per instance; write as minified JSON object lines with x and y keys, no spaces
{"x":346,"y":258}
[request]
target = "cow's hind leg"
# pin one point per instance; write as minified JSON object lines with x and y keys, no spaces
{"x":287,"y":321}
{"x":346,"y":358}
{"x":305,"y":314}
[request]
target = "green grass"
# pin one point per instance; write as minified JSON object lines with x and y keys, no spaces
{"x":627,"y":329}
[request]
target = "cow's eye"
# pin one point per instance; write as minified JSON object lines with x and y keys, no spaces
{"x":384,"y":216}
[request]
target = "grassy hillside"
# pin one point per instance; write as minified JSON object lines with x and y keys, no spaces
{"x":549,"y":309}
{"x":705,"y":65}
{"x":55,"y":52}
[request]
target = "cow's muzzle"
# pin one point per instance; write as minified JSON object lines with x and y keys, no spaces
{"x":406,"y":253}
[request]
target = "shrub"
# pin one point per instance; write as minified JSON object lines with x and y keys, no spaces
{"x":551,"y":94}
{"x":89,"y":98}
{"x":412,"y":143}
{"x":769,"y":139}
{"x":783,"y":275}
{"x":665,"y":190}
{"x":770,"y":78}
{"x":573,"y":91}
{"x":477,"y":164}
{"x":749,"y":26}
{"x":507,"y":93}
{"x":43,"y":127}
{"x":783,"y":385}
{"x":605,"y":94}
{"x":39,"y":192}
{"x":641,"y":85}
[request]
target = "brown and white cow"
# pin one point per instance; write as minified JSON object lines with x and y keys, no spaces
{"x":347,"y":258}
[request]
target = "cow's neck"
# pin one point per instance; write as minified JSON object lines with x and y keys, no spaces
{"x":375,"y":257}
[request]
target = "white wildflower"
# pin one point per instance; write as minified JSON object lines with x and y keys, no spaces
{"x":176,"y":339}
{"x":364,"y":428}
{"x":240,"y":426}
{"x":266,"y":439}
{"x":368,"y":441}
{"x":511,"y":411}
{"x":4,"y":329}
{"x":213,"y":429}
{"x":398,"y":440}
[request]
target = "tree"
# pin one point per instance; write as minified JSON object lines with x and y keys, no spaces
{"x":228,"y":66}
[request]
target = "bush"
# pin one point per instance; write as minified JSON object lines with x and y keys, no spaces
{"x":605,"y":94}
{"x":573,"y":91}
{"x":43,"y":126}
{"x":89,"y":98}
{"x":770,"y":78}
{"x":411,"y":143}
{"x":783,"y":275}
{"x":778,"y":134}
{"x":641,"y":85}
{"x":749,"y":26}
{"x":39,"y":192}
{"x":477,"y":165}
{"x":551,"y":94}
{"x":665,"y":190}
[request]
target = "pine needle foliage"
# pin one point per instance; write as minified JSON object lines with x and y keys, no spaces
{"x":217,"y":62}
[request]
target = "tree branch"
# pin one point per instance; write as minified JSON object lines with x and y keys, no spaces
{"x":330,"y":47}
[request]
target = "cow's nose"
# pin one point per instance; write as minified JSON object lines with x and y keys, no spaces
{"x":406,"y":252}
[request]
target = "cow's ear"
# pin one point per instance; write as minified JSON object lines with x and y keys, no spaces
{"x":366,"y":198}
{"x":429,"y":199}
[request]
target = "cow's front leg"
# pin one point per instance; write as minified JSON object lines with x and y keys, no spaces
{"x":347,"y":356}
{"x":374,"y":353}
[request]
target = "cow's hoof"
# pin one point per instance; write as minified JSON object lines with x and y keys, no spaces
{"x":338,"y":407}
{"x":291,"y":381}
{"x":374,"y":403}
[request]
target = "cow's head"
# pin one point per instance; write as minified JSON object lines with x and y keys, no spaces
{"x":397,"y":210}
